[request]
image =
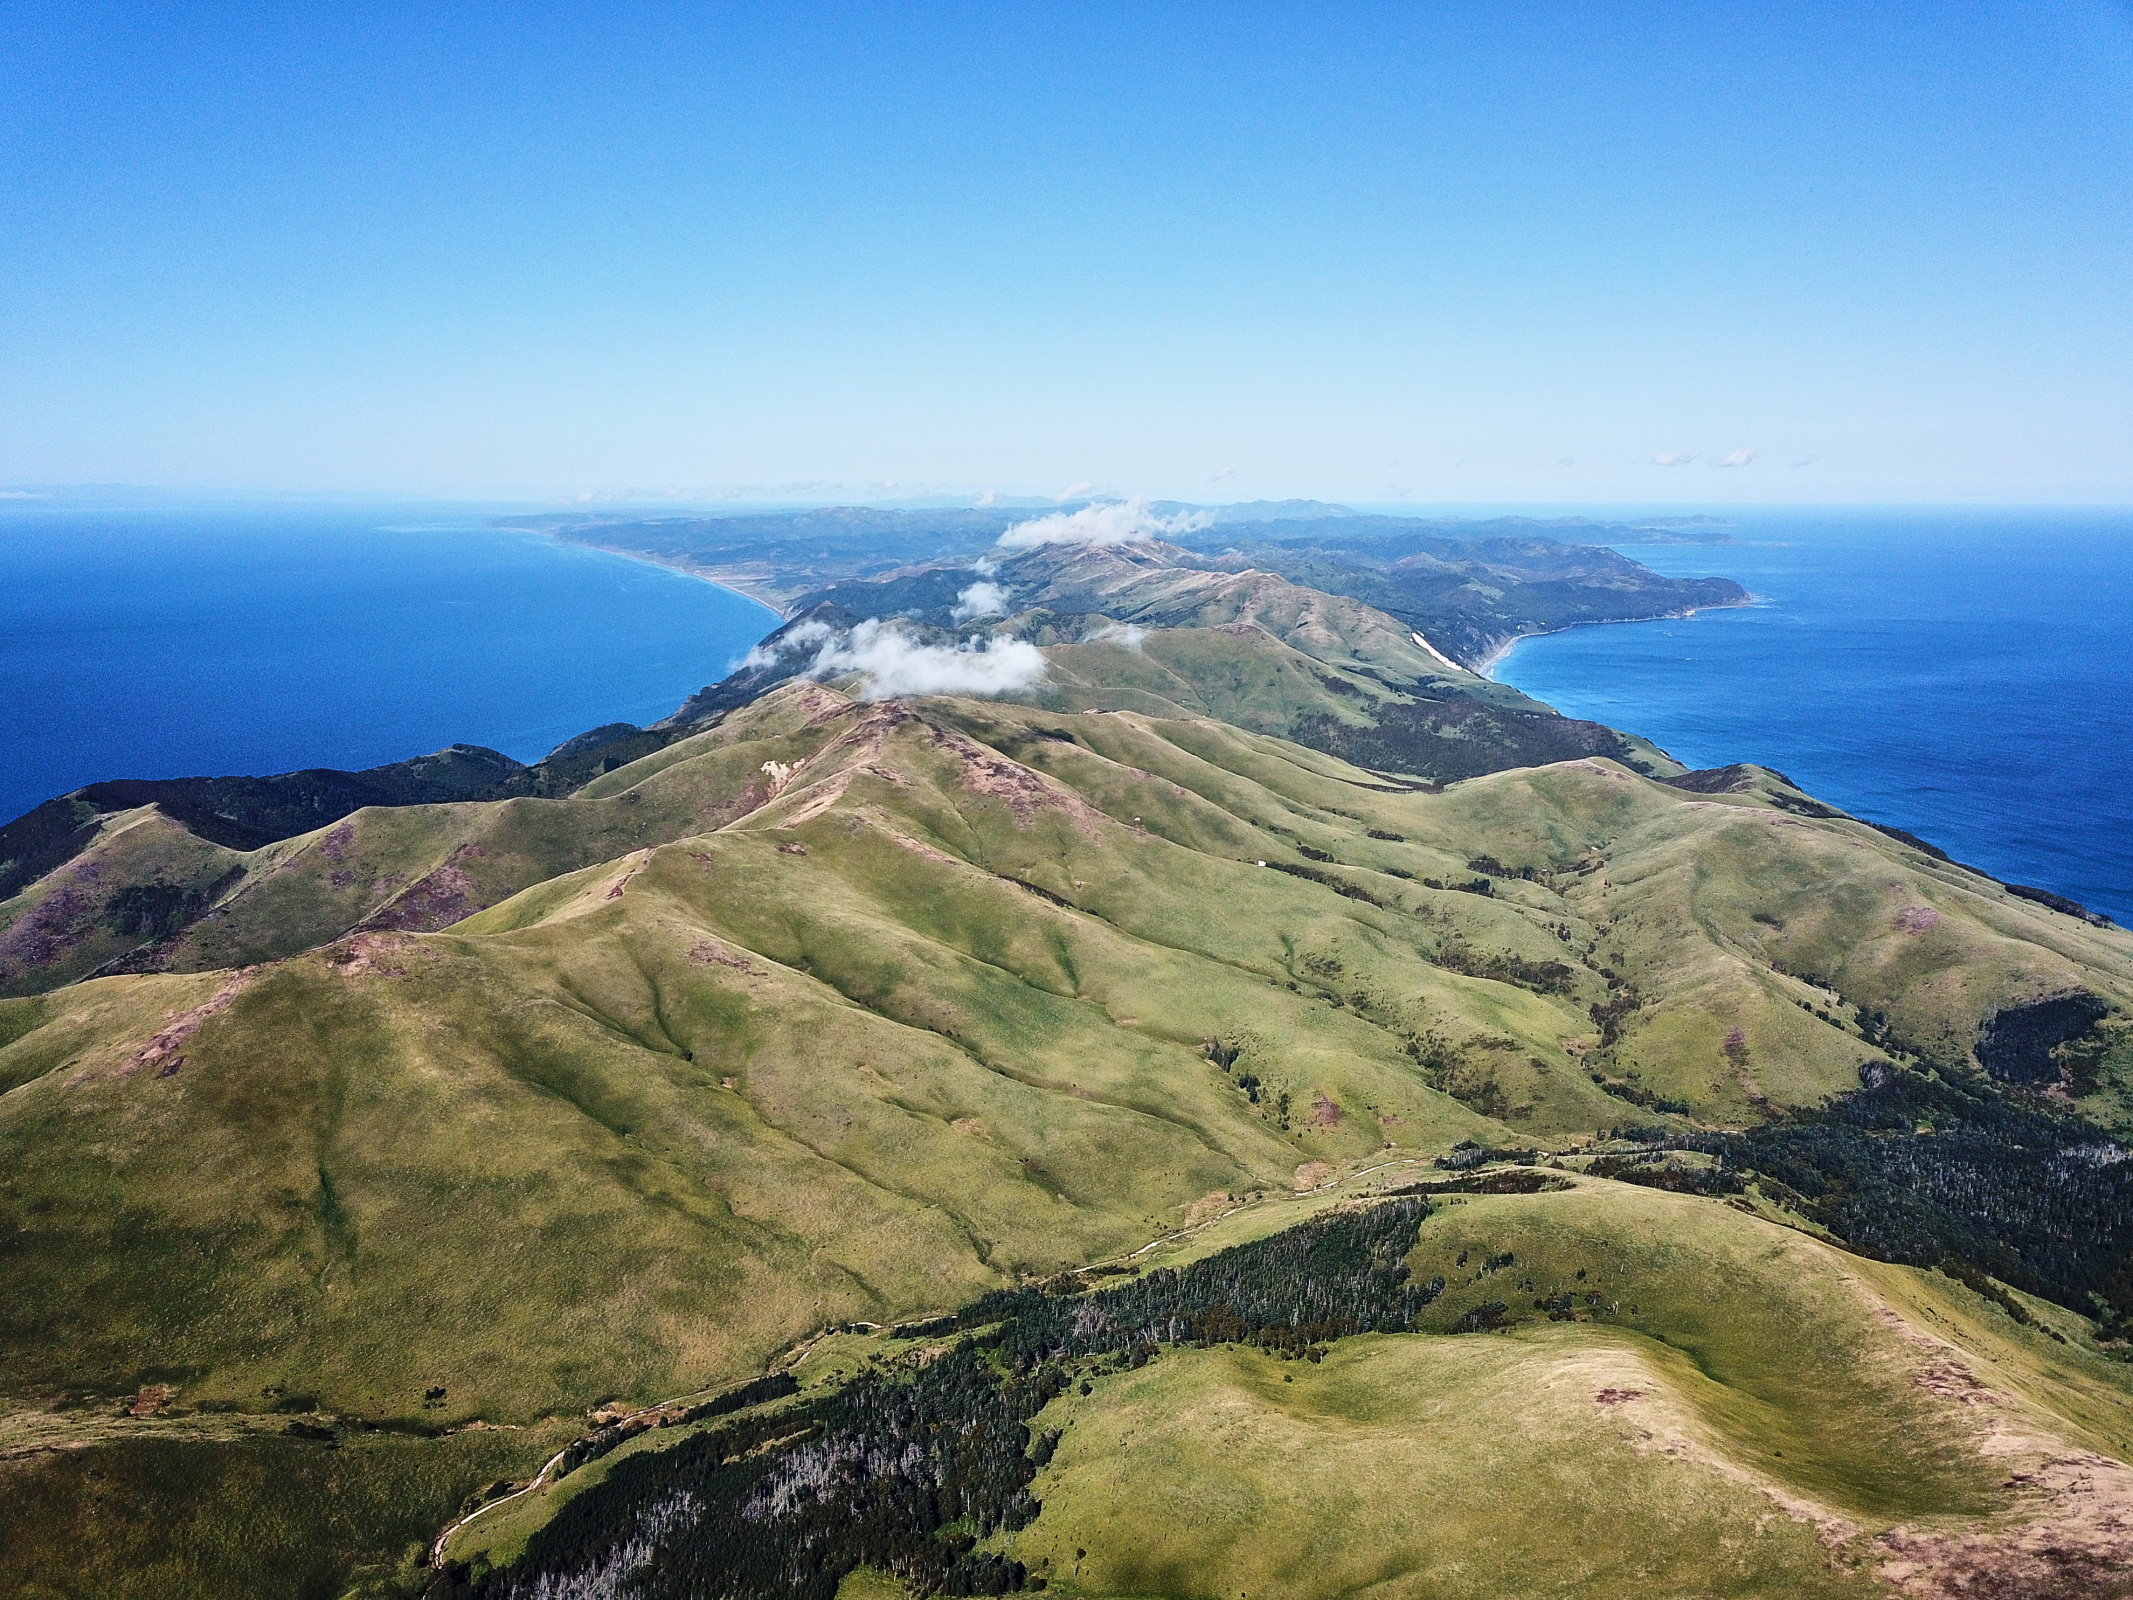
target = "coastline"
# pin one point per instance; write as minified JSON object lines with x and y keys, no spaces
{"x":748,"y":586}
{"x":1487,"y":666}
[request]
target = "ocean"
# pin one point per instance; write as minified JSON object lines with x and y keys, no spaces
{"x":202,"y":642}
{"x":1965,"y":674}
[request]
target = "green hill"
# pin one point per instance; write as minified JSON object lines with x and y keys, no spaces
{"x":821,"y":1011}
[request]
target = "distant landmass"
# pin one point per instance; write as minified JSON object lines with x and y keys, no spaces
{"x":1470,"y":586}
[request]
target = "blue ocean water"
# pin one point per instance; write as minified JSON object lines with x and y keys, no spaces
{"x":1967,"y":675}
{"x":182,"y":643}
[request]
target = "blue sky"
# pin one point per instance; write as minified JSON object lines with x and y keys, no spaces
{"x":1452,"y":252}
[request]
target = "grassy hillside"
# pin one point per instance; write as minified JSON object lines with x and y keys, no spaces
{"x":847,"y":1011}
{"x":1671,"y":1398}
{"x":952,"y":990}
{"x":1772,"y":1418}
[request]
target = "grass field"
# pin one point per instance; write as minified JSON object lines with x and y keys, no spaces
{"x":257,"y":1518}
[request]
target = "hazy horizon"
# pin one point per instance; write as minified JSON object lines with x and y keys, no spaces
{"x":918,"y":497}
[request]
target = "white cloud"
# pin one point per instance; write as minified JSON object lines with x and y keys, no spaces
{"x":985,"y":566}
{"x":979,"y":600}
{"x":893,"y":664}
{"x":1227,"y":474}
{"x":1674,"y":458}
{"x":1074,"y":491}
{"x":796,"y":639}
{"x":1113,"y":522}
{"x":1807,"y":461}
{"x":1739,"y":458}
{"x":1126,"y":635}
{"x":991,"y":497}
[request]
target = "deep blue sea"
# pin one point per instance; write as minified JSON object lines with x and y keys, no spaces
{"x":182,"y":643}
{"x":1965,"y":674}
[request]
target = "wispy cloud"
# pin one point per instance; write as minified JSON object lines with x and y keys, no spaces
{"x":1806,"y":461}
{"x":1113,"y":522}
{"x":1226,"y":475}
{"x":800,"y":636}
{"x":1739,"y":458}
{"x":892,"y":664}
{"x":979,"y":600}
{"x":1126,"y":635}
{"x":1674,"y":458}
{"x":1074,"y":491}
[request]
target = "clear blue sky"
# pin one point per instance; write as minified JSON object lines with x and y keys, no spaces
{"x":1455,"y":252}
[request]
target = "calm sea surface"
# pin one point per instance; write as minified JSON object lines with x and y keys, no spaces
{"x":1967,"y":675}
{"x":174,"y":644}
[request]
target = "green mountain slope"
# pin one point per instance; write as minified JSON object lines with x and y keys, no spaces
{"x":828,"y":1010}
{"x":959,"y":968}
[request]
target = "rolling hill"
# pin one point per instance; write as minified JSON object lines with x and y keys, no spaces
{"x":423,"y":1133}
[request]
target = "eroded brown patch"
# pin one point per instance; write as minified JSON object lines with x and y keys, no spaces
{"x":2078,"y":1546}
{"x":438,"y":900}
{"x":1211,"y":1204}
{"x":709,"y":953}
{"x":370,"y":953}
{"x":1028,"y":793}
{"x":2075,"y":1539}
{"x":152,"y":1398}
{"x":161,"y":1052}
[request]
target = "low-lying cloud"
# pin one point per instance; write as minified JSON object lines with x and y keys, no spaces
{"x":1126,"y":635}
{"x":797,"y":638}
{"x":1112,"y":522}
{"x":980,"y":600}
{"x":894,"y":664}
